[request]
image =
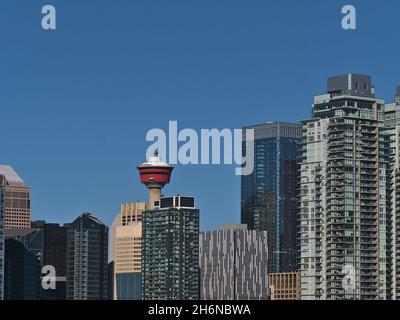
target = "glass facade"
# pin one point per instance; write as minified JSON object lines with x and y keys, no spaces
{"x":87,"y":252}
{"x":269,"y":194}
{"x":129,"y":286}
{"x":233,"y":264}
{"x":23,"y":262}
{"x":54,"y":254}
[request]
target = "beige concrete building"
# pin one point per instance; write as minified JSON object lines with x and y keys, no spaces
{"x":130,"y":212}
{"x":284,"y":286}
{"x":17,"y":211}
{"x":126,"y":250}
{"x":128,"y":247}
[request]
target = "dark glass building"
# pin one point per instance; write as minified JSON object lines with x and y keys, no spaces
{"x":54,"y":254}
{"x":87,"y":252}
{"x":129,"y":285}
{"x":23,"y":264}
{"x":111,"y":267}
{"x":170,"y":250}
{"x":269,"y":194}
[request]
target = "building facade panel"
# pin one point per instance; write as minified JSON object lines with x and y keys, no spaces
{"x":233,"y":264}
{"x":284,"y":286}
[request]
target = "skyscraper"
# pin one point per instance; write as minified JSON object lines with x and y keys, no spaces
{"x":55,"y":255}
{"x":344,"y":229}
{"x":23,"y":262}
{"x":87,"y":268}
{"x":17,"y":213}
{"x":131,"y":212}
{"x":170,"y":250}
{"x":233,"y":264}
{"x":127,"y":264}
{"x":269,"y":194}
{"x":125,"y":251}
{"x":2,"y":208}
{"x":392,"y":124}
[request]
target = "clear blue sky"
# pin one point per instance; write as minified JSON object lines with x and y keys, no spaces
{"x":76,"y":103}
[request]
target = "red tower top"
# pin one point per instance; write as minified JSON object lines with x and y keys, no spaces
{"x":155,"y":173}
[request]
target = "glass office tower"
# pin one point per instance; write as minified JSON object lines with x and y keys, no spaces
{"x":269,"y":194}
{"x":54,"y":254}
{"x":23,"y":263}
{"x":87,"y":267}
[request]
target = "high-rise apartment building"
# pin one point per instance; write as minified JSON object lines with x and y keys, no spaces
{"x":125,"y":251}
{"x":17,"y":213}
{"x":343,"y":209}
{"x":284,"y":286}
{"x":392,"y":125}
{"x":87,"y":267}
{"x":233,"y":264}
{"x":269,"y":194}
{"x":170,"y":250}
{"x":2,"y":208}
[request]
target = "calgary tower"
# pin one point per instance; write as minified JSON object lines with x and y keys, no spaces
{"x":154,"y":174}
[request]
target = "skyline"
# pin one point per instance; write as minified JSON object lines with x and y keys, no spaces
{"x":73,"y":133}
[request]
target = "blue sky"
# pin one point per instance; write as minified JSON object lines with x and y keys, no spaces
{"x":76,"y":103}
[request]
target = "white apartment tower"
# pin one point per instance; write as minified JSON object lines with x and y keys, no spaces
{"x":344,"y":225}
{"x":392,"y":123}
